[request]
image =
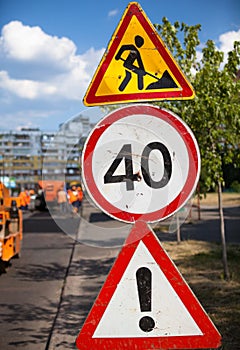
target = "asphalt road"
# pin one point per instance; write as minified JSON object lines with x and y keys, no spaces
{"x":208,"y":227}
{"x":48,"y":292}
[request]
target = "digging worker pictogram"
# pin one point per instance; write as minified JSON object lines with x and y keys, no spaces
{"x":134,"y":55}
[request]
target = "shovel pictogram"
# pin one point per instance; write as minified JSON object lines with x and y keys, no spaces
{"x":165,"y":82}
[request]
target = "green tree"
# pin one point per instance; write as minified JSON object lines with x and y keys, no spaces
{"x":214,"y":114}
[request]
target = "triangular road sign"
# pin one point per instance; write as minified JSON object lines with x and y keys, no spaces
{"x":146,"y":304}
{"x":137,"y":66}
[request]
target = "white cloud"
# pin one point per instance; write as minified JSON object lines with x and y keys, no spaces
{"x":24,"y":43}
{"x":226,"y":41}
{"x":25,"y":88}
{"x":113,"y":13}
{"x":224,"y":44}
{"x":49,"y":65}
{"x":43,"y":79}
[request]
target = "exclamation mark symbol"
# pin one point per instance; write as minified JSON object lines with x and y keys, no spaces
{"x":144,"y":284}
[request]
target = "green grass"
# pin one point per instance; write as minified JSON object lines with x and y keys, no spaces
{"x":201,"y":265}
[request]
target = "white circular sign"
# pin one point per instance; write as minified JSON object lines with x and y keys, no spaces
{"x":140,"y":163}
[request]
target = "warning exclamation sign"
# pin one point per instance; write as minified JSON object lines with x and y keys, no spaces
{"x":144,"y":284}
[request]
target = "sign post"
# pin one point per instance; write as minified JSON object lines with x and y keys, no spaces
{"x":141,"y":164}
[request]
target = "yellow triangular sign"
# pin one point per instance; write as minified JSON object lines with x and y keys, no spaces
{"x":137,"y":66}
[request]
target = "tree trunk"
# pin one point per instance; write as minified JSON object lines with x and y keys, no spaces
{"x":198,"y":201}
{"x":178,"y":229}
{"x":222,"y":226}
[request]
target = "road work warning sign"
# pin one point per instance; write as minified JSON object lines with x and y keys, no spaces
{"x":137,"y":66}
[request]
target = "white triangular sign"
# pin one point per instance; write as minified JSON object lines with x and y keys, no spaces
{"x":146,"y":304}
{"x":121,"y":317}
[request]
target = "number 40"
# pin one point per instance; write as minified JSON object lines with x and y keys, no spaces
{"x":129,"y":177}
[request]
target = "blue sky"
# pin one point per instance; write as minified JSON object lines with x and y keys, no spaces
{"x":49,"y":50}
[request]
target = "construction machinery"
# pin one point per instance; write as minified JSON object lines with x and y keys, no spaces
{"x":10,"y":225}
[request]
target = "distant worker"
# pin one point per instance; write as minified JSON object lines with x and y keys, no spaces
{"x":80,"y":196}
{"x":80,"y":193}
{"x":24,"y":199}
{"x":62,"y":200}
{"x":75,"y":198}
{"x":32,"y":192}
{"x":14,"y":217}
{"x":32,"y":195}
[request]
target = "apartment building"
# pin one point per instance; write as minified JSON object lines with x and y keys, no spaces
{"x":30,"y":155}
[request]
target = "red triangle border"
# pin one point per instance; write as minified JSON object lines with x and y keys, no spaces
{"x":141,"y":232}
{"x":91,"y":98}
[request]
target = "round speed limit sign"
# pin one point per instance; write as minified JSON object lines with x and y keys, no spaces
{"x":140,"y":163}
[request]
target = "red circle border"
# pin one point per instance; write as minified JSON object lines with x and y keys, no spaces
{"x":193,"y":171}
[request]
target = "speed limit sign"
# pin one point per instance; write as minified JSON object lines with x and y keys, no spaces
{"x":140,"y":162}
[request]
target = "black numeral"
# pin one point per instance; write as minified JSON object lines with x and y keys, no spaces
{"x":167,"y":165}
{"x":129,"y":177}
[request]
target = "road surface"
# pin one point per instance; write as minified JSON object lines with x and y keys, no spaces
{"x":48,"y":292}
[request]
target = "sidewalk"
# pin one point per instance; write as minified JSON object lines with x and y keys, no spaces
{"x":99,"y":241}
{"x":98,"y":229}
{"x":89,"y":265}
{"x":206,"y":229}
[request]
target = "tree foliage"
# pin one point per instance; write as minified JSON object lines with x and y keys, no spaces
{"x":214,"y":114}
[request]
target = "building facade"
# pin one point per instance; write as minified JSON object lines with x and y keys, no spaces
{"x":30,"y":155}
